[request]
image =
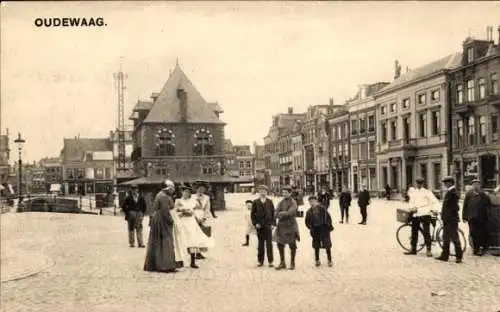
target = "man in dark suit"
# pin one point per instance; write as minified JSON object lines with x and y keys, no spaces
{"x":363,"y":202}
{"x":262,"y":216}
{"x":134,"y":207}
{"x":325,"y":196}
{"x":450,"y":218}
{"x":475,"y":212}
{"x":345,"y":199}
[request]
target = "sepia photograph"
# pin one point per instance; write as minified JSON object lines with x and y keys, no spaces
{"x":250,"y":156}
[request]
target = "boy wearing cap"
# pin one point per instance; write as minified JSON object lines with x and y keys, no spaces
{"x":450,"y":218}
{"x":319,"y":223}
{"x":250,"y":229}
{"x":262,"y":216}
{"x":475,"y":213}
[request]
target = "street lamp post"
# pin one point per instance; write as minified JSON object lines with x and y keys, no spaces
{"x":20,"y":142}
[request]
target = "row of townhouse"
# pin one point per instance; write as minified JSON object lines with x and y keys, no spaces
{"x":435,"y":120}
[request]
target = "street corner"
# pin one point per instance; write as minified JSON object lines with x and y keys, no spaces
{"x":19,"y":265}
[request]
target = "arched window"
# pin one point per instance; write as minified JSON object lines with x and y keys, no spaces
{"x":165,"y":142}
{"x":203,"y":145}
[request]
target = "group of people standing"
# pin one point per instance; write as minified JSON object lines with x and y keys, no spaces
{"x":279,"y":224}
{"x":424,"y":204}
{"x":345,"y":198}
{"x":180,"y":229}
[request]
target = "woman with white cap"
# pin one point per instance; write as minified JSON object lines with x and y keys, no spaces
{"x":192,"y":237}
{"x":161,"y":249}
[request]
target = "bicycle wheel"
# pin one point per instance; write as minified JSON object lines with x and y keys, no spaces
{"x":461,"y":237}
{"x":403,"y":235}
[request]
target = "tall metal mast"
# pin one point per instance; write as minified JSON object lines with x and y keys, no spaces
{"x":120,"y":90}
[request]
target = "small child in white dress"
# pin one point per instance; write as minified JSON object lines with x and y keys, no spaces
{"x":249,"y":228}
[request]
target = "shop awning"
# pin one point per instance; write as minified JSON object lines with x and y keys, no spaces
{"x":213,"y":179}
{"x":247,"y":185}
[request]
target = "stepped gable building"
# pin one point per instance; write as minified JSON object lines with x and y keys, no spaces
{"x":475,"y":109}
{"x":180,"y":136}
{"x":413,"y":130}
{"x":281,"y":124}
{"x":362,"y":119}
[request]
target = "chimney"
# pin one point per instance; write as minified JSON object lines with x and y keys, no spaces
{"x":331,"y":101}
{"x":154,"y":96}
{"x":182,"y":96}
{"x":290,"y":110}
{"x":397,"y":69}
{"x":498,"y":29}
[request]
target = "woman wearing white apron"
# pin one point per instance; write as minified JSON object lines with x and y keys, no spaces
{"x":193,"y":238}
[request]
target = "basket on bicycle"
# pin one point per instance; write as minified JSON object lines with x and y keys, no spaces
{"x":403,"y":215}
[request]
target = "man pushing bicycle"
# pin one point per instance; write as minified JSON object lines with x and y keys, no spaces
{"x":422,"y":202}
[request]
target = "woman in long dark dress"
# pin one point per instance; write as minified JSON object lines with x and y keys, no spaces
{"x":160,"y":254}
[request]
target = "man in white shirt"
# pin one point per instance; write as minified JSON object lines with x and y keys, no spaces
{"x":422,"y":202}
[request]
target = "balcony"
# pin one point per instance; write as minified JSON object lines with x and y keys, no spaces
{"x":406,"y":144}
{"x":463,"y":109}
{"x":494,"y":99}
{"x":371,"y":129}
{"x":354,"y":132}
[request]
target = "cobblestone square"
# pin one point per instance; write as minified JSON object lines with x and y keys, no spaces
{"x":66,"y":262}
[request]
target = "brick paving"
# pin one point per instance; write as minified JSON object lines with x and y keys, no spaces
{"x":94,"y":270}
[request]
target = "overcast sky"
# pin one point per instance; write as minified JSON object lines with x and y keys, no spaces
{"x":255,"y":59}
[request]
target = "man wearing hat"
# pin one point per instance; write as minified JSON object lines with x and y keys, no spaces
{"x":263,"y":219}
{"x":287,"y":229}
{"x":475,"y":213}
{"x":134,"y":207}
{"x":363,"y":202}
{"x":450,"y":218}
{"x":422,"y":202}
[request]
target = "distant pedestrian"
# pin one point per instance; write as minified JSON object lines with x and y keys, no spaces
{"x":134,"y":207}
{"x":325,"y":196}
{"x":263,"y":219}
{"x":450,"y":218}
{"x":249,"y":228}
{"x":162,"y":254}
{"x":345,"y":199}
{"x":287,"y":229}
{"x":319,"y":222}
{"x":363,"y":202}
{"x":388,"y":192}
{"x":476,"y":206}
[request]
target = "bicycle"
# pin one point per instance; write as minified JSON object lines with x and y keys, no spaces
{"x":403,"y":233}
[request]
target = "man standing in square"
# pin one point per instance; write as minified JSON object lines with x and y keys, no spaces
{"x":262,"y":216}
{"x":475,"y":213}
{"x":363,"y":202}
{"x":450,"y":218}
{"x":287,"y":229}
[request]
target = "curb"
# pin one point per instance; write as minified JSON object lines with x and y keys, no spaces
{"x":47,"y":263}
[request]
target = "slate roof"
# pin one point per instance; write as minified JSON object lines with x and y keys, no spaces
{"x":447,"y":62}
{"x":143,"y":105}
{"x":166,"y":108}
{"x":75,"y":149}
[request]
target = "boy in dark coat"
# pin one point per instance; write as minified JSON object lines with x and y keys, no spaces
{"x":475,"y":212}
{"x":319,"y":223}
